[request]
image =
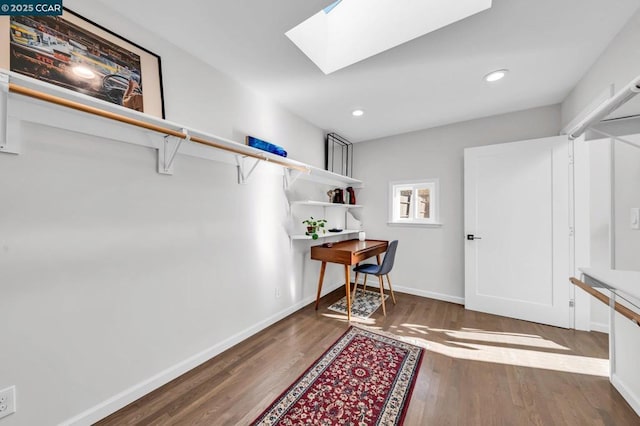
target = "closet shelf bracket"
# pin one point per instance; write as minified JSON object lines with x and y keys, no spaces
{"x":168,"y":151}
{"x":243,"y":174}
{"x":9,"y":126}
{"x":290,"y":177}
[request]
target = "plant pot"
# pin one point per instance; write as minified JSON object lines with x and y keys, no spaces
{"x":311,"y":232}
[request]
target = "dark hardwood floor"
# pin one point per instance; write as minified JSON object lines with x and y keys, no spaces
{"x":478,"y":369}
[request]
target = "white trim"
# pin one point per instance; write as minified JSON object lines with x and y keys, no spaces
{"x":632,"y":399}
{"x":572,"y":232}
{"x":431,"y":295}
{"x":127,"y":396}
{"x":600,"y":327}
{"x":612,"y":206}
{"x":581,"y":243}
{"x":416,"y":224}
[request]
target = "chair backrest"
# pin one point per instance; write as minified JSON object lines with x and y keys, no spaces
{"x":387,"y":262}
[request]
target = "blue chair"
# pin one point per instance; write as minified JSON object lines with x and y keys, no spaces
{"x":379,"y":270}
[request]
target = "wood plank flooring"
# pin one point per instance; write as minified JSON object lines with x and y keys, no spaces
{"x":478,"y":369}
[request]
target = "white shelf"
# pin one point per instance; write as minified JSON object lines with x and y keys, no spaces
{"x":85,"y":117}
{"x":327,"y":235}
{"x":326,"y":177}
{"x":325,"y":204}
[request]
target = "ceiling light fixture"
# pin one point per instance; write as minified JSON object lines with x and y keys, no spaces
{"x":495,"y":75}
{"x":357,"y":113}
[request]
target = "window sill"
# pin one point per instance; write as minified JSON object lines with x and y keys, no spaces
{"x":415,"y":224}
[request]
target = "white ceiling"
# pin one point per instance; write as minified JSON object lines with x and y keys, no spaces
{"x":433,"y":80}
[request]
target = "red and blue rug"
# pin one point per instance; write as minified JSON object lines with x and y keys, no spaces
{"x":365,"y":378}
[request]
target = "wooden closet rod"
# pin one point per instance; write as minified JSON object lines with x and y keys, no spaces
{"x":139,"y":123}
{"x":93,"y":110}
{"x":626,"y":312}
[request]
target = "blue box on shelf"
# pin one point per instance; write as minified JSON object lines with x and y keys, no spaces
{"x":266,"y":146}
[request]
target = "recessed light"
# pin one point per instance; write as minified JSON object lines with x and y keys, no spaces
{"x":495,"y":75}
{"x":357,"y":113}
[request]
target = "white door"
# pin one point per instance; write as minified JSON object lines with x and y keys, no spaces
{"x":517,"y":212}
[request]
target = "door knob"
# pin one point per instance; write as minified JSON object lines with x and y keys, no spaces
{"x":472,"y":237}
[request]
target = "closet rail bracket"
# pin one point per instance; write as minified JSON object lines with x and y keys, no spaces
{"x":168,"y":151}
{"x":290,"y":177}
{"x":243,"y":174}
{"x":9,"y":126}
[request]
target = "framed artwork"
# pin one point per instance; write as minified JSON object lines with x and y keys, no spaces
{"x":72,"y":52}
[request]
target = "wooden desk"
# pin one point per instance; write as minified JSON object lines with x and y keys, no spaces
{"x":348,"y":253}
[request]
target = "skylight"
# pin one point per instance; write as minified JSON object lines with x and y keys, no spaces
{"x":348,"y":31}
{"x":331,"y":6}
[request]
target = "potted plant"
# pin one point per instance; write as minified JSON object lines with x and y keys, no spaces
{"x":314,"y":226}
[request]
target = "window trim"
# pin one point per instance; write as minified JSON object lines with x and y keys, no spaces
{"x":414,"y":184}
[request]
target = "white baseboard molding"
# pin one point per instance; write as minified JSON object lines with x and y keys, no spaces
{"x":137,"y":391}
{"x":431,"y":295}
{"x":629,"y":396}
{"x":601,"y":327}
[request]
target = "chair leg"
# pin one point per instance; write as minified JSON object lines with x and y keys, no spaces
{"x":391,"y":289}
{"x":355,"y":286}
{"x":364,"y":285}
{"x":384,"y":309}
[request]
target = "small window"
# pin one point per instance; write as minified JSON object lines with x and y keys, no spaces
{"x":414,"y":202}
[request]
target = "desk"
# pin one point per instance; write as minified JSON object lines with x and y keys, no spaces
{"x":348,"y":253}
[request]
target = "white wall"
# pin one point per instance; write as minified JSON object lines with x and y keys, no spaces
{"x":617,"y":65}
{"x":112,"y":274}
{"x":626,"y":196}
{"x":600,"y":211}
{"x":430,"y":261}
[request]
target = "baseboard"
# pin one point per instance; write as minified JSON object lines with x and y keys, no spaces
{"x":431,"y":295}
{"x":601,"y":327}
{"x":632,"y":399}
{"x":137,"y":391}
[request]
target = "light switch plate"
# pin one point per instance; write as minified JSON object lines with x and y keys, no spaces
{"x":635,"y":218}
{"x":7,"y":401}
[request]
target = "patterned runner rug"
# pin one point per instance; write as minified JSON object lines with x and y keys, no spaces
{"x":365,"y":378}
{"x":363,"y":306}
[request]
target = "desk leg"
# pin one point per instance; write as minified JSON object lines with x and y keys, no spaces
{"x":378,"y":258}
{"x":348,"y":288}
{"x":322,"y":268}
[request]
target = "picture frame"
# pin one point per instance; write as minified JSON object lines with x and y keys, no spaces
{"x":78,"y":54}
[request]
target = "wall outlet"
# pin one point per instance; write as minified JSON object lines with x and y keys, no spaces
{"x":277,"y":292}
{"x":7,"y":401}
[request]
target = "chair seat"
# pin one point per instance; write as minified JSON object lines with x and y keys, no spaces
{"x":368,"y":268}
